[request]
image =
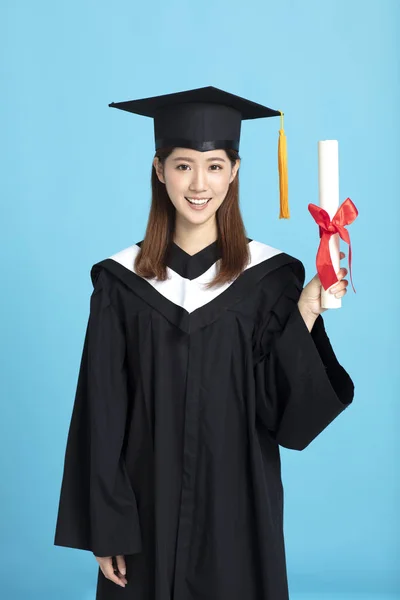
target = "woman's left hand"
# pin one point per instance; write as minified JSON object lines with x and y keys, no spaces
{"x":310,"y":298}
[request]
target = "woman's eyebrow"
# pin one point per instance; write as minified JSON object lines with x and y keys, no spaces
{"x":191,"y":159}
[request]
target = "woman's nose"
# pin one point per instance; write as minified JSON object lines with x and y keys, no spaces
{"x":199,"y":181}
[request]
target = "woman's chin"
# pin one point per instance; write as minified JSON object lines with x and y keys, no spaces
{"x":195,"y":216}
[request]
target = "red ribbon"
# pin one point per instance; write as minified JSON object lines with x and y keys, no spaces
{"x":345,"y":215}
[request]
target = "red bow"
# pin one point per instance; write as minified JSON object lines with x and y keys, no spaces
{"x":345,"y":215}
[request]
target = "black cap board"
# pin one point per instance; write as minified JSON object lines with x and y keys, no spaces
{"x":203,"y":119}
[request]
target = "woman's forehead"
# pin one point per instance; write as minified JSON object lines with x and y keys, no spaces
{"x":196,"y":155}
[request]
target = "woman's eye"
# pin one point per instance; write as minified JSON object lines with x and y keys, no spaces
{"x":184,"y":169}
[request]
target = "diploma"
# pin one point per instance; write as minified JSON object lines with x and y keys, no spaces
{"x":328,"y":181}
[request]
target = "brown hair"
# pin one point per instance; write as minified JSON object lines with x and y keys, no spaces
{"x":232,"y":238}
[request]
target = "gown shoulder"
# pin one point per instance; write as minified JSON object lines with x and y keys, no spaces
{"x":125,"y":257}
{"x":280,"y":271}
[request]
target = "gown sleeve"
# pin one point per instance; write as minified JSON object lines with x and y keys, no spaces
{"x":97,"y":508}
{"x":300,"y":385}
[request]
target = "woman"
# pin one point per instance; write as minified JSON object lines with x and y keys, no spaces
{"x":203,"y":354}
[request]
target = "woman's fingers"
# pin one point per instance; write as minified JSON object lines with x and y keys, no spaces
{"x":340,"y":288}
{"x":121,"y":564}
{"x":120,"y":560}
{"x":341,"y":273}
{"x":107,"y":568}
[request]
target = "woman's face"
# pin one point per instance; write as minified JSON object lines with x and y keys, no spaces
{"x":192,"y":175}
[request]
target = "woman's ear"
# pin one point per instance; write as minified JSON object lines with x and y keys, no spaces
{"x":159,"y":169}
{"x":235,"y":169}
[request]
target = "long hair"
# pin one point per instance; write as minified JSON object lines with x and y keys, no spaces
{"x":150,"y":261}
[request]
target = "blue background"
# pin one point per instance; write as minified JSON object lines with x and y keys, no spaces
{"x":75,"y":188}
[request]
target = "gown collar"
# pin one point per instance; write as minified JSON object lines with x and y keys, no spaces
{"x":192,"y":266}
{"x":184,"y":302}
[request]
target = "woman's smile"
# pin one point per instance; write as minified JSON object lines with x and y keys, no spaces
{"x":197,"y":204}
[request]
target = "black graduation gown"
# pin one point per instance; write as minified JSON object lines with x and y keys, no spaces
{"x":183,"y":399}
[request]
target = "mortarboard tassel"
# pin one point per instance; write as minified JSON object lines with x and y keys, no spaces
{"x":283,"y":174}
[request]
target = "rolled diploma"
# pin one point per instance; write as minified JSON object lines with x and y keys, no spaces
{"x":328,"y":180}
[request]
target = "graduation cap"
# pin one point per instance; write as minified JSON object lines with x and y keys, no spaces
{"x":205,"y":119}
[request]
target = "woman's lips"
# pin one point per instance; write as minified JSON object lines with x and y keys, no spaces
{"x":198,"y":206}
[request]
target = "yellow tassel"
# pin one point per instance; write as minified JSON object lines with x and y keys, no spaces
{"x":283,"y":174}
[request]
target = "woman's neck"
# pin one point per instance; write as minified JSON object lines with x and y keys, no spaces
{"x":195,"y":238}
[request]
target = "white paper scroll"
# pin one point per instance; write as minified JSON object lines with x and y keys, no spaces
{"x":328,"y":179}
